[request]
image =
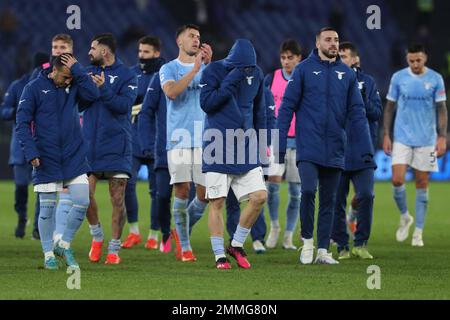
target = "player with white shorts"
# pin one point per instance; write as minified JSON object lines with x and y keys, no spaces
{"x":418,"y":139}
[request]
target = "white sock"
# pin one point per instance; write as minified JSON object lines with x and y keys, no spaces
{"x":220,"y":256}
{"x":64,"y":244}
{"x":235,"y":243}
{"x":153,"y":235}
{"x":322,"y":252}
{"x":134,"y":228}
{"x":288,"y":234}
{"x":275,"y":224}
{"x":49,"y":254}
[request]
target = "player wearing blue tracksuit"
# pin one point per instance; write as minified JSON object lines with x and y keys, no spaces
{"x":356,"y":170}
{"x":54,"y":145}
{"x":323,"y":93}
{"x":145,"y":71}
{"x":259,"y":229}
{"x":232,"y":97}
{"x":22,"y":170}
{"x":153,"y":114}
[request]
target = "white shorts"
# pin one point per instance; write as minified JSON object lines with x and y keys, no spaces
{"x":110,"y":174}
{"x":289,"y":165}
{"x":185,"y":165}
{"x":59,"y":185}
{"x":420,"y":158}
{"x":218,"y":184}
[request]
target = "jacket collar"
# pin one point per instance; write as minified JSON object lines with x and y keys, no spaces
{"x":315,"y":56}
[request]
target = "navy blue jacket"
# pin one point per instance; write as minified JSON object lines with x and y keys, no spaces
{"x":56,"y":137}
{"x":374,"y":112}
{"x":153,"y":115}
{"x":323,"y":96}
{"x":8,"y":113}
{"x":232,"y":96}
{"x":107,"y":121}
{"x":144,"y":77}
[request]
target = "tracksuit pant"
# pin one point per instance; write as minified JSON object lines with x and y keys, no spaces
{"x":363,"y":180}
{"x":327,"y":178}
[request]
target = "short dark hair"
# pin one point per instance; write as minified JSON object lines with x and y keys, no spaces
{"x":323,"y":30}
{"x":106,"y":39}
{"x":350,"y":46}
{"x":292,"y":46}
{"x":185,"y":27}
{"x":151,"y":41}
{"x":64,"y":38}
{"x":416,"y":47}
{"x":57,"y":62}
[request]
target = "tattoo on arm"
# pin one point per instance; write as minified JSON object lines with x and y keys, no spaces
{"x":442,"y":119}
{"x":388,"y":117}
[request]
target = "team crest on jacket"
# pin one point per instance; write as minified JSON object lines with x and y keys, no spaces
{"x":427,"y":85}
{"x":249,"y":80}
{"x":360,"y":85}
{"x":340,"y":74}
{"x":112,"y":78}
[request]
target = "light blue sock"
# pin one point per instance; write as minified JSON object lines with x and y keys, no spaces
{"x":181,"y":219}
{"x":114,"y":246}
{"x":195,"y":210}
{"x":62,"y":210}
{"x":400,"y":198}
{"x":239,"y":237}
{"x":273,"y":200}
{"x":421,"y":207}
{"x":218,"y":246}
{"x":293,"y":209}
{"x":96,"y":232}
{"x":46,"y":224}
{"x":80,"y":202}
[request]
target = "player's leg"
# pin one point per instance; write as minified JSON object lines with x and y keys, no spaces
{"x":363,"y":180}
{"x":215,"y":225}
{"x":47,"y":226}
{"x":424,"y":162}
{"x":328,"y":185}
{"x":233,"y":210}
{"x":37,"y":208}
{"x":292,"y":213}
{"x":422,"y":181}
{"x":249,"y":186}
{"x":163,"y":197}
{"x":198,"y":205}
{"x":273,"y":203}
{"x":155,"y":226}
{"x":401,"y":157}
{"x":62,"y":210}
{"x":95,"y":228}
{"x":117,"y":187}
{"x":339,"y":232}
{"x":258,"y":233}
{"x":132,"y":207}
{"x":309,"y":175}
{"x":21,"y":180}
{"x":180,"y":169}
{"x":295,"y":193}
{"x":79,"y":194}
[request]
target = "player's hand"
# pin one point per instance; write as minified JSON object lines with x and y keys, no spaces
{"x":206,"y":53}
{"x":99,"y":80}
{"x":68,"y":60}
{"x":387,"y":145}
{"x":35,"y":162}
{"x":198,"y":62}
{"x":441,"y":146}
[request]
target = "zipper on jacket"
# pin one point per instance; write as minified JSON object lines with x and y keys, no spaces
{"x":327,"y":93}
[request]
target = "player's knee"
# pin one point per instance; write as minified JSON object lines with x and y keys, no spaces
{"x":258,"y":198}
{"x":398,"y":181}
{"x":217,"y":204}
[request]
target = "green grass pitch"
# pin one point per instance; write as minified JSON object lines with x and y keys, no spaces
{"x":406,"y":272}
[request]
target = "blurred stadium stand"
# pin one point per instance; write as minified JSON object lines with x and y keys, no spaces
{"x":28,"y":26}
